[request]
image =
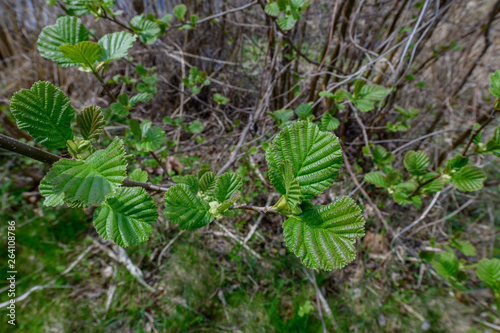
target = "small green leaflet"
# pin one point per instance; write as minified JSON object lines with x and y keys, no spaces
{"x":285,"y":183}
{"x":138,"y":175}
{"x":446,"y":264}
{"x":51,"y":199}
{"x":376,"y":178}
{"x":225,"y":185}
{"x":323,"y":237}
{"x":67,"y":30}
{"x":495,"y":84}
{"x":45,"y":112}
{"x":416,"y":162}
{"x":207,"y":182}
{"x":116,"y":45}
{"x":469,"y":178}
{"x":329,"y":123}
{"x":315,"y":155}
{"x":272,"y":9}
{"x":91,"y":122}
{"x":152,"y":137}
{"x":148,"y":31}
{"x":186,"y":209}
{"x":286,"y":22}
{"x":92,"y":181}
{"x":488,"y":271}
{"x":83,"y":53}
{"x":127,"y":218}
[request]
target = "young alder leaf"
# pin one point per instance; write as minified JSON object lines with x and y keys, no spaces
{"x":364,"y":105}
{"x":135,"y":128}
{"x":78,"y":7}
{"x":127,"y":218}
{"x":186,"y":209}
{"x":119,"y":109}
{"x":207,"y":182}
{"x":51,"y":199}
{"x":469,"y":178}
{"x":329,"y":123}
{"x":152,"y":139}
{"x":493,"y":144}
{"x":192,"y":182}
{"x":465,"y":247}
{"x":142,"y":97}
{"x":416,"y":162}
{"x":286,"y":22}
{"x":381,"y":156}
{"x":67,"y":30}
{"x":93,"y":180}
{"x":446,"y":264}
{"x":434,"y":186}
{"x":203,"y":169}
{"x":315,"y":155}
{"x":226,"y":185}
{"x":372,"y":92}
{"x":376,"y":178}
{"x":456,"y":163}
{"x":148,"y":31}
{"x":282,"y":117}
{"x":138,"y":175}
{"x":272,"y":9}
{"x":392,"y":178}
{"x":45,"y":112}
{"x":285,"y":183}
{"x":304,"y":111}
{"x":488,"y":271}
{"x":116,"y":45}
{"x":323,"y":236}
{"x":83,"y":53}
{"x":495,"y":84}
{"x":180,"y":11}
{"x":91,"y":122}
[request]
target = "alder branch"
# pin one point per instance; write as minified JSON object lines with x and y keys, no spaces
{"x":43,"y":156}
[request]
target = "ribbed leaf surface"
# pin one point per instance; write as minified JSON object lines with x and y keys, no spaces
{"x":116,"y":45}
{"x":416,"y":162}
{"x":316,"y":156}
{"x":47,"y":191}
{"x":469,"y":178}
{"x":207,"y":182}
{"x":285,"y":183}
{"x":446,"y":264}
{"x":152,"y":138}
{"x":91,"y":181}
{"x":324,"y":236}
{"x":488,"y":270}
{"x":45,"y":112}
{"x":67,"y":30}
{"x":376,"y":178}
{"x":186,"y":209}
{"x":127,"y":218}
{"x":91,"y":122}
{"x":83,"y":53}
{"x":226,"y":185}
{"x":138,"y":175}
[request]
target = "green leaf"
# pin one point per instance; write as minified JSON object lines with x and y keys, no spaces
{"x":45,"y":112}
{"x":285,"y":183}
{"x":446,"y":264}
{"x":67,"y":30}
{"x":493,"y":144}
{"x":180,"y":11}
{"x":135,"y":127}
{"x":91,"y":122}
{"x":142,"y":97}
{"x":416,"y":162}
{"x":381,"y":156}
{"x":372,"y":92}
{"x":148,"y":31}
{"x":83,"y":53}
{"x":329,"y":123}
{"x":376,"y":178}
{"x":219,"y":99}
{"x":196,"y":127}
{"x":272,"y":9}
{"x":93,"y":180}
{"x":495,"y":84}
{"x":316,"y":156}
{"x":226,"y":185}
{"x":192,"y":182}
{"x":152,"y":137}
{"x":127,"y":218}
{"x":488,"y":271}
{"x":78,"y":7}
{"x":47,"y":191}
{"x":392,"y":177}
{"x":186,"y":209}
{"x":465,"y":247}
{"x":456,"y":163}
{"x":323,"y":237}
{"x":469,"y":178}
{"x":119,"y":109}
{"x":286,"y":22}
{"x":116,"y":45}
{"x":281,"y":117}
{"x":364,"y":105}
{"x":434,"y":186}
{"x":304,"y":111}
{"x":138,"y":175}
{"x":207,"y":182}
